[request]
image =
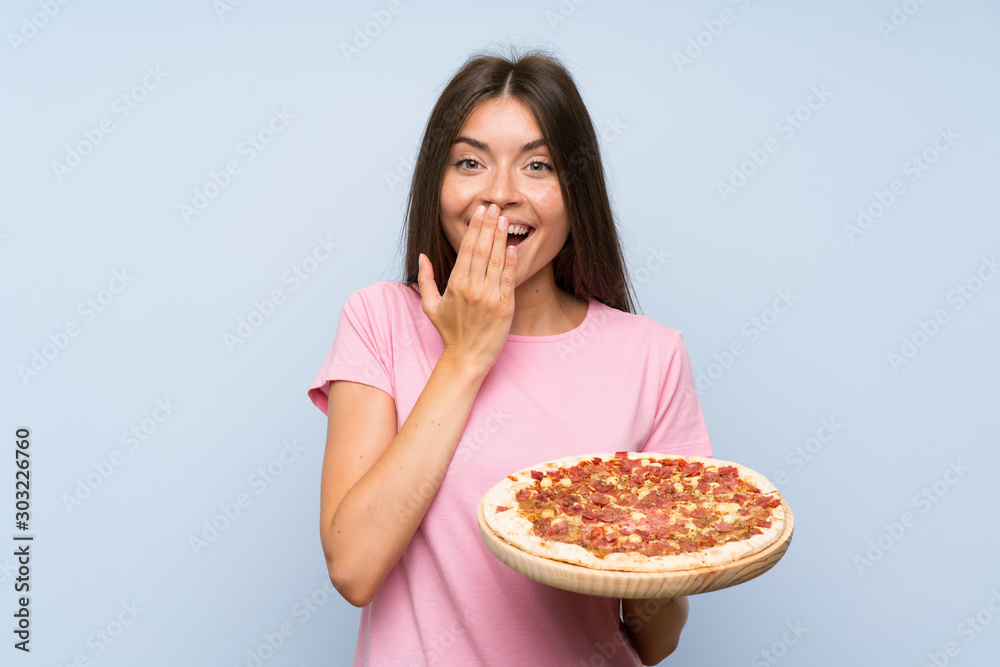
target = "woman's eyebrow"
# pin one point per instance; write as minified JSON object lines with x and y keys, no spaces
{"x":475,"y":143}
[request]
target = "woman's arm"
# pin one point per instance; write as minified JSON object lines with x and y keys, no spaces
{"x":376,"y":483}
{"x":654,"y":626}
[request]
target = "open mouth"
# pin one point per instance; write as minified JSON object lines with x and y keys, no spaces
{"x":517,"y":234}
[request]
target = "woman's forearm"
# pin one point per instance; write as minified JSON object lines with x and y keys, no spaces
{"x":377,"y":517}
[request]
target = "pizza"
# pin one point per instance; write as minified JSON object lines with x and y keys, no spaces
{"x":637,"y":512}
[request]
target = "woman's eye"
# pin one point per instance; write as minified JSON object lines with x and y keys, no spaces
{"x":538,"y":165}
{"x":468,"y":163}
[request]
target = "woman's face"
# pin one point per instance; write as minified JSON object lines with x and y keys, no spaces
{"x":500,"y":157}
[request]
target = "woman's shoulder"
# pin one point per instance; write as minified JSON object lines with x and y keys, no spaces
{"x":382,"y":287}
{"x":634,"y":324}
{"x":386,"y":293}
{"x":381,"y":303}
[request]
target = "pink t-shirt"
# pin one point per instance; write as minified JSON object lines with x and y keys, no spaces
{"x":617,"y":382}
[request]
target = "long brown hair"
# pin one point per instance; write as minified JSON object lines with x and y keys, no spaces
{"x":590,"y":264}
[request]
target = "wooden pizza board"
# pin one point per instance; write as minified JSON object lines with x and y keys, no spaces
{"x":636,"y":585}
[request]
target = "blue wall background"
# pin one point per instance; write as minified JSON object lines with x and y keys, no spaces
{"x":806,"y":190}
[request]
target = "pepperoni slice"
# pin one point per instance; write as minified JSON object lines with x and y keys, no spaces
{"x":612,"y":514}
{"x":724,"y":527}
{"x":692,"y":469}
{"x":600,"y":498}
{"x":627,"y":498}
{"x":535,"y":474}
{"x":557,"y":529}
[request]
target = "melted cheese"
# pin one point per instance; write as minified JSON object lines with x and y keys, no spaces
{"x":545,"y":483}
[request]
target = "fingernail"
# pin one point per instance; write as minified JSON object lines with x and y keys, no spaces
{"x":494,"y":209}
{"x":502,"y":224}
{"x":481,"y":211}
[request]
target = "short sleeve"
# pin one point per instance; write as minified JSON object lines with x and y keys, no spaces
{"x":678,"y":427}
{"x":359,"y":352}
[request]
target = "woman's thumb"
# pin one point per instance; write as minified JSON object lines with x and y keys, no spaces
{"x":429,"y":293}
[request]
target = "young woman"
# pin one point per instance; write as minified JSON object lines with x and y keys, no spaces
{"x":512,"y":341}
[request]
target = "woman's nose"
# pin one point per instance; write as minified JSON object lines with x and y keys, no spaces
{"x":501,"y":189}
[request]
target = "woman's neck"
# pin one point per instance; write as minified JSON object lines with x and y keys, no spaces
{"x":542,"y":309}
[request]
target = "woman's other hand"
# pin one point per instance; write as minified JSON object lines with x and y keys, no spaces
{"x":474,"y":315}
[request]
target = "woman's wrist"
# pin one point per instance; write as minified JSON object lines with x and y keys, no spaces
{"x":461,"y":363}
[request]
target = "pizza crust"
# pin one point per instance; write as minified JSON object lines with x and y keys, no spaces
{"x":519,"y":532}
